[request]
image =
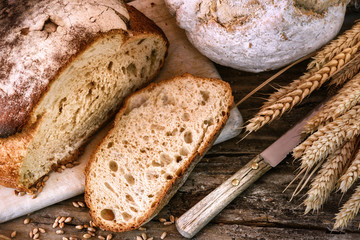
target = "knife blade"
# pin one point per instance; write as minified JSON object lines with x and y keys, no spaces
{"x":192,"y":221}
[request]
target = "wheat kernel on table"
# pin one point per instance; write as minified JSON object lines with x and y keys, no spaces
{"x":163,"y":235}
{"x":101,"y":237}
{"x":167,"y":223}
{"x":139,"y":238}
{"x":144,"y":236}
{"x":68,"y":219}
{"x":62,"y":225}
{"x":75,"y":204}
{"x":35,"y":231}
{"x":42,"y":230}
{"x":142,"y":229}
{"x":31,"y":234}
{"x":162,"y":220}
{"x":27,"y":220}
{"x":13,"y":234}
{"x":36,"y":236}
{"x":81,"y":204}
{"x":109,"y":237}
{"x":151,"y":238}
{"x":79,"y":227}
{"x":86,"y":235}
{"x":59,"y":232}
{"x":62,"y":219}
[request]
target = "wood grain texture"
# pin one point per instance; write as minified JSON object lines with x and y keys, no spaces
{"x":263,"y":211}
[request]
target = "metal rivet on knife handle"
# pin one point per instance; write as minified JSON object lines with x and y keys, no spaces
{"x":235,"y":182}
{"x":198,"y":216}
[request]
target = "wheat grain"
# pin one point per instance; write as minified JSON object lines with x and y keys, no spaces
{"x":351,"y":174}
{"x":348,"y":210}
{"x":347,"y":97}
{"x":325,"y":182}
{"x":328,"y":138}
{"x":348,"y":39}
{"x":298,"y":90}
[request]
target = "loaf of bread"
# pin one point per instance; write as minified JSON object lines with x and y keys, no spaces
{"x":66,"y":67}
{"x":158,"y":137}
{"x":258,"y":35}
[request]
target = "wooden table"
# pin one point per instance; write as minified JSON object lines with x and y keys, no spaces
{"x":261,"y":212}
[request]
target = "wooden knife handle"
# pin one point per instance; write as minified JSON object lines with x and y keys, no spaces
{"x":199,"y":215}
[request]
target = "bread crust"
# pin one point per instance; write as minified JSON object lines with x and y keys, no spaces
{"x":176,"y":182}
{"x":15,"y":135}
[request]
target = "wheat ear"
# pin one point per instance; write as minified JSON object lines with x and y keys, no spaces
{"x":347,"y":97}
{"x":298,"y":90}
{"x":351,"y":174}
{"x":325,"y":182}
{"x":328,"y":138}
{"x":349,"y":210}
{"x":346,"y":40}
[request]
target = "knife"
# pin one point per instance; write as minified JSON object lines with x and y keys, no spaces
{"x":192,"y":221}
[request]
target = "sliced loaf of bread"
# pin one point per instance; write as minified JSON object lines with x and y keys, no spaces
{"x":159,"y":135}
{"x":60,"y":82}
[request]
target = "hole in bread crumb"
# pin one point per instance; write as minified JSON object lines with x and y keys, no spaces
{"x":150,"y":195}
{"x":109,"y":67}
{"x":178,"y":172}
{"x":107,"y":214}
{"x":156,"y":164}
{"x":130,"y":179}
{"x":153,"y":57}
{"x":153,"y":204}
{"x":208,"y":122}
{"x":126,"y":216}
{"x":141,"y":41}
{"x":178,"y":159}
{"x":110,"y":144}
{"x":108,"y":186}
{"x":157,"y":127}
{"x":131,"y":69}
{"x":143,"y":72}
{"x":182,"y":129}
{"x":184,"y":151}
{"x":129,"y":198}
{"x":113,"y":166}
{"x":133,"y":209}
{"x":165,"y":158}
{"x":223,"y":113}
{"x":168,"y":177}
{"x":205,"y":95}
{"x":123,"y":69}
{"x":142,"y":150}
{"x":185,"y":117}
{"x":188,"y":137}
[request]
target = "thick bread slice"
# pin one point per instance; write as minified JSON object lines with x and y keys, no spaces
{"x":85,"y":91}
{"x":158,"y":136}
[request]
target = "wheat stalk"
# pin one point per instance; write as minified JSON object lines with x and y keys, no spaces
{"x":348,"y":210}
{"x":347,"y":72}
{"x":346,"y":40}
{"x":328,"y":138}
{"x":325,"y":182}
{"x":298,"y":90}
{"x":347,"y":97}
{"x":351,"y":174}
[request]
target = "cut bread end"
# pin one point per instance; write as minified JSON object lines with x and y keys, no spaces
{"x":158,"y":136}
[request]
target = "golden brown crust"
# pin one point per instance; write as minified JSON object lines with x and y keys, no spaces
{"x":173,"y":185}
{"x":13,"y":147}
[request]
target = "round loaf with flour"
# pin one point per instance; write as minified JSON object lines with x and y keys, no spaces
{"x":258,"y":35}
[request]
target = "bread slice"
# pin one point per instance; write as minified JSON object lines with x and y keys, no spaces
{"x":158,"y":136}
{"x":66,"y":105}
